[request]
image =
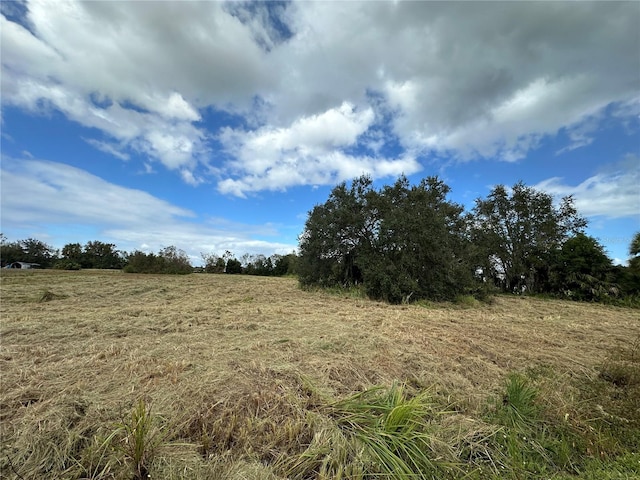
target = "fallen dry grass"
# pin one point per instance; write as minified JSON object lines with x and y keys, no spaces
{"x":233,"y":362}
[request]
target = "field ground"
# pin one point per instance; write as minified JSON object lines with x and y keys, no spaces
{"x":235,"y":375}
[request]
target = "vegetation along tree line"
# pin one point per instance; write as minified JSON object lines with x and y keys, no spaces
{"x":172,"y":260}
{"x":403,"y":243}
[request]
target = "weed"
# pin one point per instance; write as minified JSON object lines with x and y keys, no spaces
{"x":48,"y":296}
{"x":378,"y":432}
{"x":519,"y":408}
{"x":467,"y":301}
{"x":138,"y":438}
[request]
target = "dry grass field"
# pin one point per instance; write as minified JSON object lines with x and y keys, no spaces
{"x":236,"y":376}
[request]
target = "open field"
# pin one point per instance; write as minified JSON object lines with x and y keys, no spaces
{"x":238,"y":375}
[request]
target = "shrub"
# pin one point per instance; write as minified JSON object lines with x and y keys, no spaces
{"x":67,"y":265}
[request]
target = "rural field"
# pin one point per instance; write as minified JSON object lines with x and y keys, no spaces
{"x":113,"y":375}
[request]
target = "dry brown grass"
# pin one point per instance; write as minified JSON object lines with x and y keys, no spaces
{"x":234,"y":363}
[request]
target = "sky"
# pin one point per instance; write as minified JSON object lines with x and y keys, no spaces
{"x":215,"y":126}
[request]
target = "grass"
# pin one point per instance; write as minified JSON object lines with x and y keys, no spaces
{"x":223,"y":377}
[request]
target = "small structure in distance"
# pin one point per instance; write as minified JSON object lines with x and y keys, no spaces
{"x":23,"y":265}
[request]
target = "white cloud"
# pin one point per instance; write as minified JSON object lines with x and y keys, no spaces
{"x":310,"y":151}
{"x":109,"y":148}
{"x":613,"y":193}
{"x":459,"y":78}
{"x":36,"y":193}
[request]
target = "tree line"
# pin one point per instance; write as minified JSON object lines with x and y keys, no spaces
{"x":403,"y":243}
{"x":406,"y":242}
{"x":171,"y":260}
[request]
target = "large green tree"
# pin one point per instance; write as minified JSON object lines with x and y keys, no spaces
{"x":338,"y":234}
{"x":403,"y":242}
{"x":519,"y":230}
{"x":420,"y":248}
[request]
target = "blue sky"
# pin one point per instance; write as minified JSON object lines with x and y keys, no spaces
{"x":217,"y":126}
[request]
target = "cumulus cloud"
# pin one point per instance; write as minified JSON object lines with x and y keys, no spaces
{"x":310,"y":150}
{"x":465,"y":79}
{"x":38,"y":192}
{"x":613,"y":193}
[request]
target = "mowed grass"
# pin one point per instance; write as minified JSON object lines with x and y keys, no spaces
{"x":113,"y":375}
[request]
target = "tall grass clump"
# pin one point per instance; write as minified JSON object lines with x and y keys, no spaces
{"x":379,"y":433}
{"x":138,"y":438}
{"x":519,"y":403}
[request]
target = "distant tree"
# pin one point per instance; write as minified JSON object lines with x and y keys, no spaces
{"x":140,"y":262}
{"x":36,"y":251}
{"x":518,"y":231}
{"x":213,"y":263}
{"x":73,"y":253}
{"x":175,"y":260}
{"x":10,"y":251}
{"x":168,"y":260}
{"x":285,"y":264}
{"x":98,"y":254}
{"x":233,"y":266}
{"x":258,"y":265}
{"x":628,"y":278}
{"x":64,"y":264}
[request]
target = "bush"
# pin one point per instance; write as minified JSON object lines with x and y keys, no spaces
{"x":168,"y":260}
{"x":233,"y":266}
{"x":67,"y":265}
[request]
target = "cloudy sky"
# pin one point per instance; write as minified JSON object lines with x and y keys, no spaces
{"x":217,"y":126}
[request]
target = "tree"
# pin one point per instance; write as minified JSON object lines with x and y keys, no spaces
{"x":174,"y":260}
{"x":628,"y":278}
{"x":583,"y":270}
{"x":213,"y":263}
{"x":10,"y":251}
{"x":518,"y":231}
{"x":233,"y":266}
{"x":634,"y":251}
{"x":98,"y":254}
{"x":140,"y":262}
{"x":420,"y":245}
{"x":402,"y":242}
{"x":258,"y":265}
{"x":73,"y":252}
{"x":285,"y":264}
{"x":337,"y":233}
{"x":35,"y":251}
{"x":168,"y":260}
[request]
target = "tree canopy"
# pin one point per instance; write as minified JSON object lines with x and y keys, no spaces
{"x":401,"y":242}
{"x":518,"y":230}
{"x":409,"y":242}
